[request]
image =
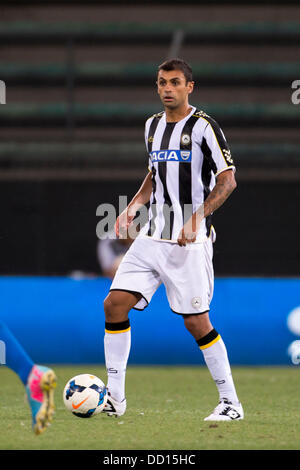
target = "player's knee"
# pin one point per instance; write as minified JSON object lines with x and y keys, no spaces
{"x":191,"y":322}
{"x":114,"y":309}
{"x":197,"y":324}
{"x":109,"y":308}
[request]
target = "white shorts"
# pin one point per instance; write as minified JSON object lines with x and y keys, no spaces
{"x":186,"y":272}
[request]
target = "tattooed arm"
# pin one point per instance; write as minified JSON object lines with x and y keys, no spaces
{"x":225,"y":185}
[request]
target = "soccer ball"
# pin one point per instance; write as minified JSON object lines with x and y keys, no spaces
{"x":85,"y":395}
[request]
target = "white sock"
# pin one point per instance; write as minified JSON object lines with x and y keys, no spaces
{"x":215,"y":356}
{"x":117,"y":342}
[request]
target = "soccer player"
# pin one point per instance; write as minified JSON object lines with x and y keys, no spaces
{"x":191,"y":174}
{"x":39,"y":381}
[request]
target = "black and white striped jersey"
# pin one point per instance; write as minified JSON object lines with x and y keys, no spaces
{"x":184,"y":157}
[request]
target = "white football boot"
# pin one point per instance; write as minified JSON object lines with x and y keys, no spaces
{"x":114,"y":407}
{"x":226,"y":411}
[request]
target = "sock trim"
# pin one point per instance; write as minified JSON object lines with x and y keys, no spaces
{"x":120,"y":327}
{"x":115,"y":332}
{"x":208,"y":340}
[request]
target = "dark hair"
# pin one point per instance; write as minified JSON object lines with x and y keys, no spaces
{"x":177,"y":64}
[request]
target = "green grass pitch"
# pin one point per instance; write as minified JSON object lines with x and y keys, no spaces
{"x":166,"y":407}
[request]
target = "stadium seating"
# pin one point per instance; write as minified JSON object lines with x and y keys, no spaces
{"x":131,"y":32}
{"x":92,"y":78}
{"x":80,"y":82}
{"x":126,"y":74}
{"x":25,"y":155}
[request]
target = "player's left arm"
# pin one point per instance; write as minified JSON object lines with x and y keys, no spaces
{"x":217,"y":152}
{"x":225,"y":185}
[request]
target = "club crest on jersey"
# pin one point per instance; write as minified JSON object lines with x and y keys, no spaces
{"x":185,"y":139}
{"x":171,"y":156}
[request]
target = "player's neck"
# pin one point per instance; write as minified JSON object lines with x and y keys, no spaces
{"x":176,"y":115}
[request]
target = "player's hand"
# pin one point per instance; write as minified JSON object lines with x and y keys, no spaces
{"x":188,"y":233}
{"x":186,"y":237}
{"x":122,"y":224}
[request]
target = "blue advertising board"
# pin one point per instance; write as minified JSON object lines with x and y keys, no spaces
{"x":61,"y":320}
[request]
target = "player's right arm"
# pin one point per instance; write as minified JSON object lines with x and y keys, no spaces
{"x":141,"y":198}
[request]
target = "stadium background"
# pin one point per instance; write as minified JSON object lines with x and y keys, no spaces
{"x":80,"y":82}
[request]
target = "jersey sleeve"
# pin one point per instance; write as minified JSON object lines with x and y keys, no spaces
{"x":215,"y":148}
{"x":149,"y":162}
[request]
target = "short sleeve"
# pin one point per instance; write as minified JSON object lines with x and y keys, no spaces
{"x":148,"y":159}
{"x":215,"y":148}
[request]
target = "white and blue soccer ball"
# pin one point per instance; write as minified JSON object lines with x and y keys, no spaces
{"x":85,"y":395}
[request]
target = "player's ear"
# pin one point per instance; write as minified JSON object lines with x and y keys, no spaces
{"x":191,"y":87}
